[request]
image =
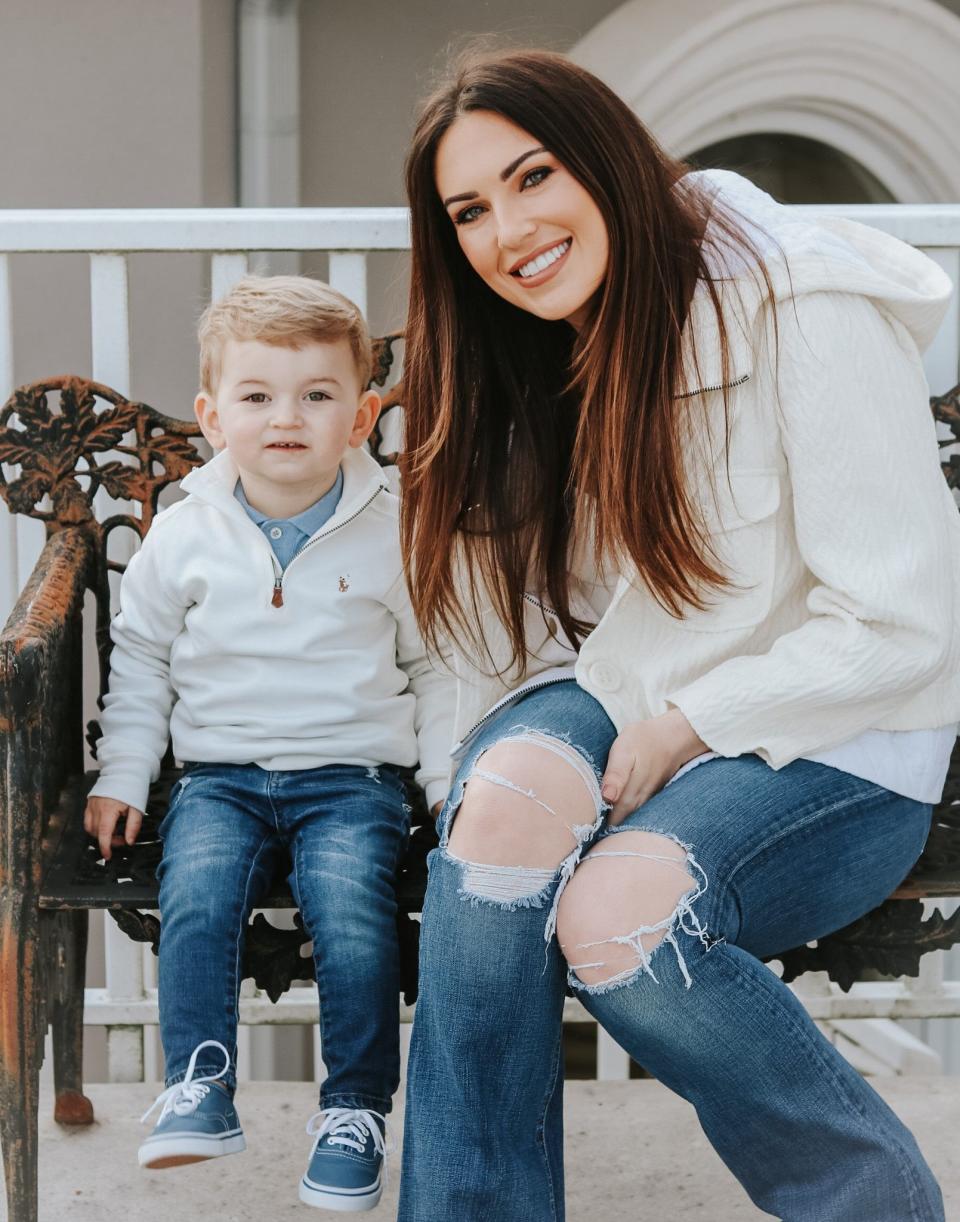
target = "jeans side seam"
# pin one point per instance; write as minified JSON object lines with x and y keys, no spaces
{"x":815,"y":1053}
{"x":541,"y":1127}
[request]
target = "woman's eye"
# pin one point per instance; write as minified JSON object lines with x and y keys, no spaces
{"x":467,"y":215}
{"x":317,"y":396}
{"x":533,"y":178}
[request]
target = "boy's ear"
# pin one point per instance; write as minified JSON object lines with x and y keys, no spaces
{"x":368,"y":409}
{"x":205,"y":410}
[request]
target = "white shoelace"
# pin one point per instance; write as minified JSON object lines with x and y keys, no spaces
{"x":183,"y":1098}
{"x":346,"y":1126}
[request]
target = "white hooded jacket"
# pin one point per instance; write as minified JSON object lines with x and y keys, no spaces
{"x":337,"y":674}
{"x":835,"y":524}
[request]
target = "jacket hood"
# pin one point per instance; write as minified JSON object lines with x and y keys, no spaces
{"x":215,"y":481}
{"x":803,"y":253}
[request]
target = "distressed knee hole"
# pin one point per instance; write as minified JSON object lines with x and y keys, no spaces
{"x":529,"y":804}
{"x":632,"y":892}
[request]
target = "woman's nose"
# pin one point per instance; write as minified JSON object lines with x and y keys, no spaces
{"x":514,"y":230}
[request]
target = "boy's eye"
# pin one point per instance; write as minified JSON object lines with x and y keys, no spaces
{"x":467,"y":215}
{"x":317,"y":396}
{"x":256,"y":396}
{"x":533,"y":178}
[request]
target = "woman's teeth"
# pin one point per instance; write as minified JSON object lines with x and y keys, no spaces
{"x":543,"y":261}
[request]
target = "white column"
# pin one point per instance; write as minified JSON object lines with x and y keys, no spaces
{"x":268,"y":74}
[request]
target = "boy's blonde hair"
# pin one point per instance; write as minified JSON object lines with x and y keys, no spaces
{"x":289,"y":311}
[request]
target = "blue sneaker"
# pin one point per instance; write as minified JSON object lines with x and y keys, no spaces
{"x":198,"y":1120}
{"x":346,"y":1163}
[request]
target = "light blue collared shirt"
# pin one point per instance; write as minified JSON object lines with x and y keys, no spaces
{"x":287,"y":535}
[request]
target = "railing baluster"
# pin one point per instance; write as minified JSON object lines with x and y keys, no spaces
{"x":110,"y":352}
{"x":9,"y":569}
{"x":124,"y":964}
{"x":613,"y":1063}
{"x":109,"y":321}
{"x":348,"y":275}
{"x":225,"y":271}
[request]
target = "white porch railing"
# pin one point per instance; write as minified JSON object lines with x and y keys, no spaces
{"x":126,"y":1005}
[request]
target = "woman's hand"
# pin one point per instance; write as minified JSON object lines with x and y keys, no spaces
{"x":644,"y":756}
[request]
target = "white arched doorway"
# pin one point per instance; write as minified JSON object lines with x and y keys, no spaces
{"x":873,"y":79}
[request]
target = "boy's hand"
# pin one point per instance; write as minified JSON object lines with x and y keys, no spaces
{"x":100,"y":820}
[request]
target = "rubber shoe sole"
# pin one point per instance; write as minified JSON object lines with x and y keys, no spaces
{"x":180,"y":1149}
{"x":346,"y":1200}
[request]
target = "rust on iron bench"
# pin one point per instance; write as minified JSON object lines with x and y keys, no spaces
{"x":69,"y":439}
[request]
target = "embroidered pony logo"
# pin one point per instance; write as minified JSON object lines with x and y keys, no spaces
{"x":343,"y":585}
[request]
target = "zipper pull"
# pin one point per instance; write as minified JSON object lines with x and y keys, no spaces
{"x":277,"y":600}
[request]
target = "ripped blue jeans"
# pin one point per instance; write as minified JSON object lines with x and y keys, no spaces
{"x":770,"y":860}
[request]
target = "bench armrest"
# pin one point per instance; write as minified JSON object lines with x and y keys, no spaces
{"x":41,"y":699}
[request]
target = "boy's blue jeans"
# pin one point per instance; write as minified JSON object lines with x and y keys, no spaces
{"x":225,"y":834}
{"x":785,"y":857}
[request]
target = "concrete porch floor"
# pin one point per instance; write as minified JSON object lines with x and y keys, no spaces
{"x":634,"y":1154}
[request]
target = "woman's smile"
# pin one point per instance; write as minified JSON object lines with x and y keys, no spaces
{"x":542,"y":265}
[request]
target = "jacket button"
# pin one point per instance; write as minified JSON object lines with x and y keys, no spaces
{"x":605,"y":676}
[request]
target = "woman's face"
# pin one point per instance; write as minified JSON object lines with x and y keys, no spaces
{"x":526,"y":225}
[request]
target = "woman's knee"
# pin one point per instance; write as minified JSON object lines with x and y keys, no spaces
{"x":529,"y":801}
{"x":630,"y":893}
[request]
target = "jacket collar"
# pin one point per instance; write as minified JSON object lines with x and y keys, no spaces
{"x":215,"y":481}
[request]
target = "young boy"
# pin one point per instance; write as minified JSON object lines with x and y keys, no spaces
{"x":265,"y":625}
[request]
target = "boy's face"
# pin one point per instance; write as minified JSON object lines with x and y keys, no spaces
{"x":287,"y":416}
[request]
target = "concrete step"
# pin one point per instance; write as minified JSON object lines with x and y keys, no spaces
{"x":634,"y":1153}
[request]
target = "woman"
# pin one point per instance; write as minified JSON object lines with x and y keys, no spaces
{"x":673,"y":503}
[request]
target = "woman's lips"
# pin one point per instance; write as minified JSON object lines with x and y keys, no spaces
{"x":547,"y":273}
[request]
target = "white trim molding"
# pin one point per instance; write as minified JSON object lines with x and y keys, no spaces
{"x":875,"y":79}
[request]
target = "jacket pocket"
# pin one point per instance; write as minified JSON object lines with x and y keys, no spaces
{"x":741,"y":520}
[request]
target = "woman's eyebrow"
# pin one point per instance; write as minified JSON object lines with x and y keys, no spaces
{"x":504,"y":175}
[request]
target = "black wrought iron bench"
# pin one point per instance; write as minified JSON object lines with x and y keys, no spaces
{"x":66,"y":439}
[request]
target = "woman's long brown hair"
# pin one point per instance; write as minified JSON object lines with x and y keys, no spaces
{"x":511,"y":421}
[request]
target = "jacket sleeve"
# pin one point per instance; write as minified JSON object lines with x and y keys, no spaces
{"x":136,"y":709}
{"x":872,"y":524}
{"x":434,"y":687}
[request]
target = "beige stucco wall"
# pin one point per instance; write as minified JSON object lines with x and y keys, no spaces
{"x":114,"y":105}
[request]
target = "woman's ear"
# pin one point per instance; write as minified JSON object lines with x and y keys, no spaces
{"x":205,"y":410}
{"x":368,"y":409}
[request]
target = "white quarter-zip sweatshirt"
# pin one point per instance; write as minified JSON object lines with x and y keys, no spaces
{"x":337,"y":673}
